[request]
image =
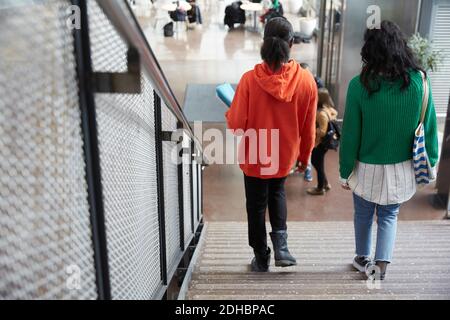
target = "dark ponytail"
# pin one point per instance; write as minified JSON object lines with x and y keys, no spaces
{"x":278,"y":35}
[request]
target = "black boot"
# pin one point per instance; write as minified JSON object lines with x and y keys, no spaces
{"x":261,"y":261}
{"x":283,"y":257}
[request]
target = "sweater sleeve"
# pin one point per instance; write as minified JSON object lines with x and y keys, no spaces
{"x":237,"y":115}
{"x":431,"y":132}
{"x":351,"y":131}
{"x":308,"y":130}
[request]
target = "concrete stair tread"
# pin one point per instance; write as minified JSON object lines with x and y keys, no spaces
{"x":324,"y":251}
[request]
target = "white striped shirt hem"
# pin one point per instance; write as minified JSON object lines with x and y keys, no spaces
{"x":384,"y":184}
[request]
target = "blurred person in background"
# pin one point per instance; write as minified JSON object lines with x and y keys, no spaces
{"x":326,"y":114}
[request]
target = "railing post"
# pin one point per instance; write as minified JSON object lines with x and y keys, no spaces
{"x":198,"y":191}
{"x":180,"y":152}
{"x":202,"y":190}
{"x":191,"y":178}
{"x":91,"y":152}
{"x":160,"y":184}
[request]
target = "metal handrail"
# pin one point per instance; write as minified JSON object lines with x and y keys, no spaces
{"x":123,"y":19}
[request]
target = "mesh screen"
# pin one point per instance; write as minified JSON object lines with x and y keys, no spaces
{"x":169,"y":123}
{"x":45,"y":243}
{"x":187,"y":193}
{"x":108,"y":51}
{"x":127,"y":151}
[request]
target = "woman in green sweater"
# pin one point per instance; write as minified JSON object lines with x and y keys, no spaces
{"x":382,"y":112}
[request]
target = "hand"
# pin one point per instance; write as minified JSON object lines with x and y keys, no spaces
{"x":345,"y":186}
{"x":302,"y":168}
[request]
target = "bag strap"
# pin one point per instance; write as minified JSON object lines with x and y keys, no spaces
{"x":425,"y":97}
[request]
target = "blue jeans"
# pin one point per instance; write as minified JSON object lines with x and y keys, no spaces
{"x":387,"y":228}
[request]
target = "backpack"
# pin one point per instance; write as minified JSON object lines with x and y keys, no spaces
{"x":168,"y":30}
{"x":234,"y":14}
{"x":333,"y":136}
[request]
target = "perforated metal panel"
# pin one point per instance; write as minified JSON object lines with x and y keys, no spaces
{"x":45,"y":243}
{"x":171,"y":201}
{"x":188,"y":234}
{"x":126,"y":129}
{"x":108,"y":51}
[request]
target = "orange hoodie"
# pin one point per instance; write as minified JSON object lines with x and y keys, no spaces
{"x":285,"y":100}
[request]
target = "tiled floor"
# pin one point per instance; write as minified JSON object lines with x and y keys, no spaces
{"x":210,"y":53}
{"x":225,"y":184}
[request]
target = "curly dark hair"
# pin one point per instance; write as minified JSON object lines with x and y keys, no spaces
{"x":386,"y":55}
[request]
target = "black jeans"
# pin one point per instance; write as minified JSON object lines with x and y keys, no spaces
{"x":318,"y":161}
{"x":261,"y":193}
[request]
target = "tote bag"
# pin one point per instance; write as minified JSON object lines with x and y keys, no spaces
{"x":422,"y":168}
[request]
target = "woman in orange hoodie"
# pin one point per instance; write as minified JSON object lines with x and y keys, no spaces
{"x":274,"y":110}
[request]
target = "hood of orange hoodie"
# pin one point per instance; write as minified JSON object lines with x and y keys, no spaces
{"x":283,"y":84}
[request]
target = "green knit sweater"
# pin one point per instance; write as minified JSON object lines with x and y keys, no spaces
{"x":380,"y":129}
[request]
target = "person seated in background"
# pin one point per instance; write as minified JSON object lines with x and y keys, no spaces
{"x":234,"y":14}
{"x":179,"y":15}
{"x":194,"y":15}
{"x":273,"y":9}
{"x":326,"y":113}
